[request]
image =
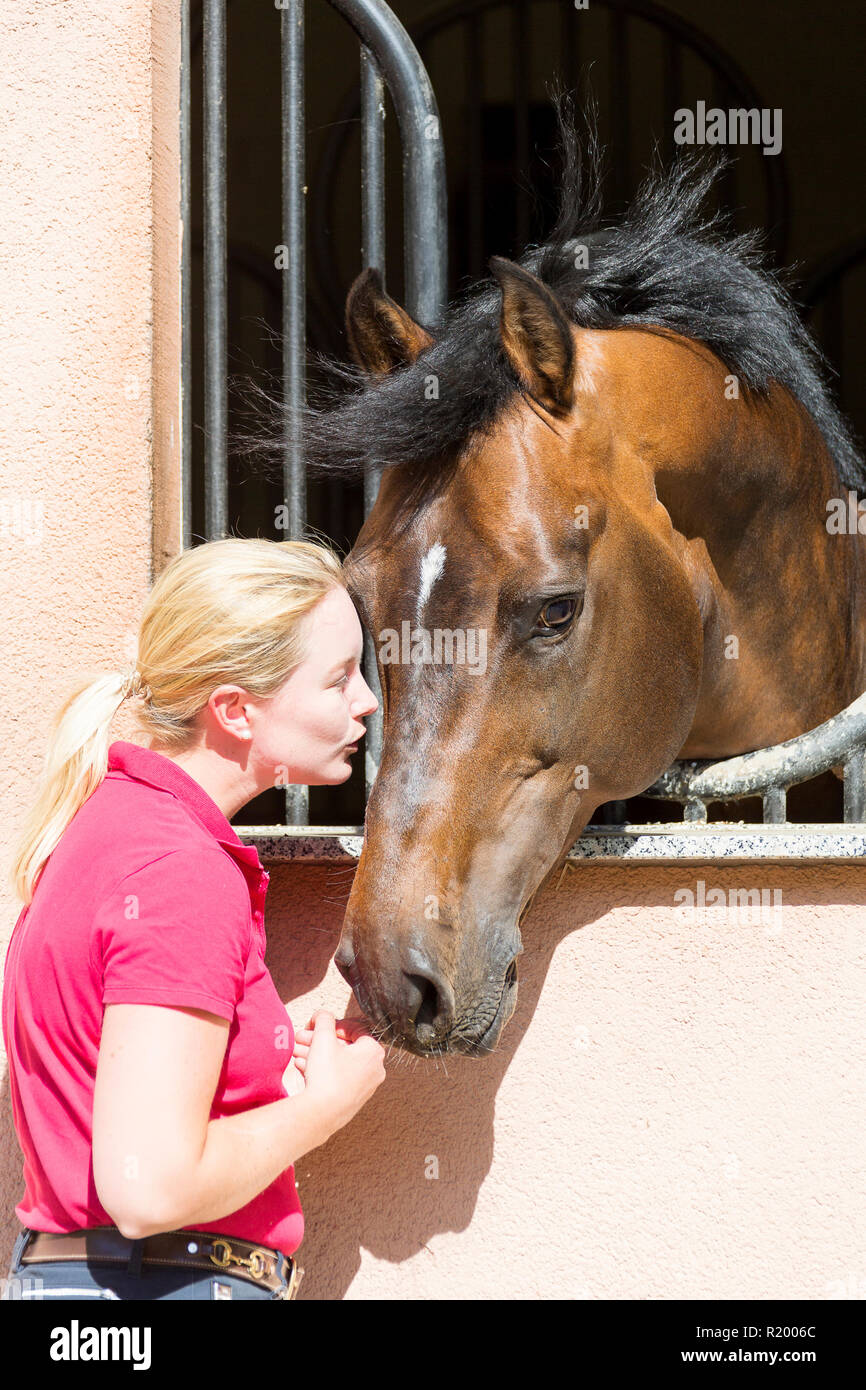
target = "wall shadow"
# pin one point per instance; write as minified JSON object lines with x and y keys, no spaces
{"x":412,"y":1163}
{"x":370,"y":1187}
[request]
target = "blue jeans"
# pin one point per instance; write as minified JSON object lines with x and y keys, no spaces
{"x":87,"y":1279}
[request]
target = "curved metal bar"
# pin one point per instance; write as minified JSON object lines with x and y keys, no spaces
{"x":677,"y":32}
{"x":372,"y":254}
{"x":425,"y":235}
{"x":782,"y":766}
{"x":389,"y":58}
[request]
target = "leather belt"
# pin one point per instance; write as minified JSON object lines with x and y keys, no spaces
{"x":208,"y":1250}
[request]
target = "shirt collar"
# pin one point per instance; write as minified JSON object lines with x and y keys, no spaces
{"x":146,"y":765}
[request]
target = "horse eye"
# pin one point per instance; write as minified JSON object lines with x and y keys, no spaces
{"x":557,"y":614}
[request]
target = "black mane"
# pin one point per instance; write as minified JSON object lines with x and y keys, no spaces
{"x":665,"y":262}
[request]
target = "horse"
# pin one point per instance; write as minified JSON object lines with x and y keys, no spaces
{"x":609,"y":467}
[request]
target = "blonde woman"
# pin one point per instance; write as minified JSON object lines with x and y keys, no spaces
{"x":159,"y":1093}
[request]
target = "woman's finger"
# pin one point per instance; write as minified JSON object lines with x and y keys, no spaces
{"x":351,"y":1035}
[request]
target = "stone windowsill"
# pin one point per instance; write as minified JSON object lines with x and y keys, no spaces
{"x":602,"y":844}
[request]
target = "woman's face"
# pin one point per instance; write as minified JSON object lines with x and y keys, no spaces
{"x":302,"y":734}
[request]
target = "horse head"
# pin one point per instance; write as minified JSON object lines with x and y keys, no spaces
{"x":539,"y":643}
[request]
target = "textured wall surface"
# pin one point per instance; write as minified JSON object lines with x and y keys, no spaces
{"x":76,"y":311}
{"x":675,"y":1109}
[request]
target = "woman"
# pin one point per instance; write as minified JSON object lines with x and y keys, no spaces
{"x":151,"y":1059}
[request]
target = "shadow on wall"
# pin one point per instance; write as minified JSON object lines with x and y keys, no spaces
{"x":702,"y":1037}
{"x":412,"y":1162}
{"x":703,"y":1041}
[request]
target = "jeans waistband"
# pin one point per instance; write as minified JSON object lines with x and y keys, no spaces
{"x":198,"y":1251}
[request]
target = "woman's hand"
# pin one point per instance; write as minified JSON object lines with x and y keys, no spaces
{"x":347,"y":1031}
{"x":342,"y":1064}
{"x":293,"y":1079}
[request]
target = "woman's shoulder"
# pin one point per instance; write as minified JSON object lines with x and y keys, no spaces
{"x":130,"y":831}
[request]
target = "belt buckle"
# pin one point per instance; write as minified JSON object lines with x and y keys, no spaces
{"x":259,"y":1263}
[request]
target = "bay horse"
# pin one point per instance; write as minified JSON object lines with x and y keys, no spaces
{"x":614,"y":459}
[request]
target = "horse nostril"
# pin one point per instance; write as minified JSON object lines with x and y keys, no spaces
{"x":430,"y":1007}
{"x":511,"y":974}
{"x":344,"y":958}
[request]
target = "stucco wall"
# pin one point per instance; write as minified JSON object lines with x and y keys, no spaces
{"x":675,"y":1110}
{"x":676,"y":1107}
{"x":76,"y":410}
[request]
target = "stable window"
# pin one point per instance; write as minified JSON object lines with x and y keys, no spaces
{"x":319,"y":139}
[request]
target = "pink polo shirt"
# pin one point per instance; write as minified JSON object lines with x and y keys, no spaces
{"x":149,"y":898}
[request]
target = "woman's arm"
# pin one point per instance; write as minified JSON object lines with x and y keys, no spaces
{"x":159,"y":1163}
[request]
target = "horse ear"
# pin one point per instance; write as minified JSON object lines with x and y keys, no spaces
{"x":536,"y":336}
{"x":381,"y":334}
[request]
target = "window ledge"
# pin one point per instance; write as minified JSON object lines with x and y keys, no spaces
{"x":736,"y":841}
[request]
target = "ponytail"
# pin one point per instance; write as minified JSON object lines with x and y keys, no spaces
{"x":74,"y":765}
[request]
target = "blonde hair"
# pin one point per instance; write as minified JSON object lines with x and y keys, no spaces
{"x":229,"y":611}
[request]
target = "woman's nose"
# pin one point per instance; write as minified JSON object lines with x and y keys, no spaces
{"x":369,"y":703}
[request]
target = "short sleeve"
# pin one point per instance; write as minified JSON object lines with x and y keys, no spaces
{"x":176,"y":931}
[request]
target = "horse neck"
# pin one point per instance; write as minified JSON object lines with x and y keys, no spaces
{"x":784,"y":599}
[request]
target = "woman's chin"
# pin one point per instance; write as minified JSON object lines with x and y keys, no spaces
{"x":338,"y":771}
{"x":342,"y":771}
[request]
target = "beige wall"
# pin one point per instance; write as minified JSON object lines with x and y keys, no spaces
{"x":77,"y":417}
{"x":675,"y":1110}
{"x":676,"y":1107}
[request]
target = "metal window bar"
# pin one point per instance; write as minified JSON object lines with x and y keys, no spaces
{"x":388,"y":58}
{"x":770,"y":772}
{"x":215,"y":269}
{"x":294,"y":319}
